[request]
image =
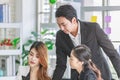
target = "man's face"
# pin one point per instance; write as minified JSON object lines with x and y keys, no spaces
{"x":65,"y":25}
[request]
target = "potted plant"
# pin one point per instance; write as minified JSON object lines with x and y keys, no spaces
{"x":46,"y":36}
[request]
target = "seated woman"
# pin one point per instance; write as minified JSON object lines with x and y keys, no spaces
{"x":80,"y":60}
{"x":37,"y":59}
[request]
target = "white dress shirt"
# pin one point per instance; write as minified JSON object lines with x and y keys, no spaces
{"x":77,"y":39}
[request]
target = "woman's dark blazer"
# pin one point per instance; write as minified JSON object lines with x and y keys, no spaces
{"x":87,"y":74}
{"x":95,"y":38}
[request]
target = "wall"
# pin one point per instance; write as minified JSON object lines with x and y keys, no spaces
{"x":28,"y":17}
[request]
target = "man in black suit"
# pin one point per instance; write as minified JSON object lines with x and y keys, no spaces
{"x":74,"y":32}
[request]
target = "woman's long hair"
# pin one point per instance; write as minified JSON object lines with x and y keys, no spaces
{"x":83,"y":53}
{"x":96,"y":70}
{"x":43,"y":60}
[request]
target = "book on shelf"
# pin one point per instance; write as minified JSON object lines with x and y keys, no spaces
{"x":1,"y":13}
{"x":4,"y":13}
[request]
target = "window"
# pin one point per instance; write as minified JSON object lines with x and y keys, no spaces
{"x":101,"y":9}
{"x":114,"y":2}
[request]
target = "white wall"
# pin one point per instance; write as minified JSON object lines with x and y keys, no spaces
{"x":28,"y":17}
{"x":18,"y":10}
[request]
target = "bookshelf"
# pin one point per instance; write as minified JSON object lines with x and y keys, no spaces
{"x":10,"y":36}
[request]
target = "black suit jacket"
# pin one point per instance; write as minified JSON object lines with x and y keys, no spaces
{"x":95,"y":38}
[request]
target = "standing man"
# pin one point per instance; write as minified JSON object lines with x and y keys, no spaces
{"x":74,"y":32}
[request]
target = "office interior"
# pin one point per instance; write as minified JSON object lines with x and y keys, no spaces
{"x":23,"y":21}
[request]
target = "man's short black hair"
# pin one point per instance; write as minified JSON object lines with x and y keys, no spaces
{"x":66,"y":11}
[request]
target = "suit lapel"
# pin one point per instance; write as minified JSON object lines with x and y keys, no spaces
{"x":83,"y":32}
{"x":69,"y":41}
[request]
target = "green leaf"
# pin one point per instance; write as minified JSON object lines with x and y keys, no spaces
{"x":15,"y":42}
{"x":25,"y":63}
{"x":52,"y":1}
{"x":25,"y":54}
{"x":49,"y":45}
{"x":44,"y":31}
{"x":23,"y":47}
{"x":52,"y":33}
{"x":28,"y":42}
{"x":17,"y":61}
{"x":35,"y":34}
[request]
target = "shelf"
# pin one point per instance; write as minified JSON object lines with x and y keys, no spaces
{"x":11,"y":25}
{"x":6,"y":50}
{"x":10,"y":52}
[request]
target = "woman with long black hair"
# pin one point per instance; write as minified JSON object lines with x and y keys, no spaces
{"x":80,"y":60}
